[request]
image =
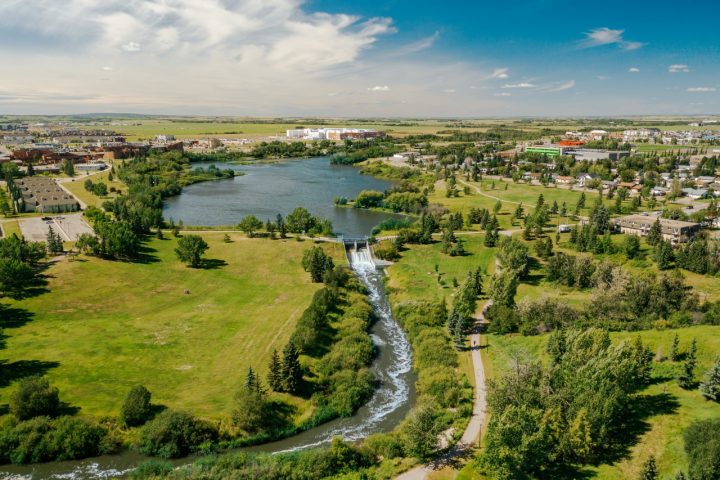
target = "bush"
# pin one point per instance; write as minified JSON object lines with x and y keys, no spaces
{"x":151,"y":469}
{"x":702,"y":446}
{"x":34,"y":397}
{"x":136,"y":409}
{"x":174,"y":434}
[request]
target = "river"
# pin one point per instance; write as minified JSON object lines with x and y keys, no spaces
{"x":393,"y":364}
{"x":266,"y":189}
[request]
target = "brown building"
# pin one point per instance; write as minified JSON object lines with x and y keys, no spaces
{"x":675,"y":231}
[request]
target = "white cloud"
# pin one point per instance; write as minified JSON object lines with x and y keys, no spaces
{"x":701,"y":89}
{"x":519,"y":85}
{"x":107,"y":69}
{"x":379,"y":88}
{"x":500,"y":73}
{"x":449,"y":90}
{"x":503,"y":94}
{"x":420,"y":45}
{"x":563,"y":86}
{"x":131,"y":47}
{"x":634,"y":70}
{"x":607,"y":36}
{"x":678,"y":67}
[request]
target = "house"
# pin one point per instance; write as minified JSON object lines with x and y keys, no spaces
{"x":659,"y":191}
{"x":564,"y":180}
{"x":676,"y":231}
{"x":585,"y":178}
{"x":704,"y":181}
{"x":695,"y":193}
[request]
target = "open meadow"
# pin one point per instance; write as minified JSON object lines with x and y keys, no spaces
{"x":187,"y":334}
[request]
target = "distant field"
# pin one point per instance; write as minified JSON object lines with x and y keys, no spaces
{"x":105,"y":326}
{"x":663,"y":437}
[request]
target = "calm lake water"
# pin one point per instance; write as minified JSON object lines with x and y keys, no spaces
{"x":271,"y":188}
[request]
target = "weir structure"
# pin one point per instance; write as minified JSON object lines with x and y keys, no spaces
{"x":357,"y":249}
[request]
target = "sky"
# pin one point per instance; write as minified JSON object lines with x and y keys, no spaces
{"x":341,"y":58}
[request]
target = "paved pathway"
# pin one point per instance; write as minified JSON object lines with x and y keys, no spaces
{"x":469,"y":440}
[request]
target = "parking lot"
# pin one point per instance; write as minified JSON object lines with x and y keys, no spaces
{"x":69,"y":227}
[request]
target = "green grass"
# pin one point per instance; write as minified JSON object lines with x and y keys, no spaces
{"x":663,"y":436}
{"x":77,"y":188}
{"x":11,"y":227}
{"x":105,"y":326}
{"x":414,"y":277}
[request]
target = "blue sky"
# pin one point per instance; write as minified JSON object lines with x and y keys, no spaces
{"x":343,"y":58}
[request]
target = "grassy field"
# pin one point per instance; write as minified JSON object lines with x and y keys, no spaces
{"x":105,"y":326}
{"x":78,"y":188}
{"x":510,"y":198}
{"x":11,"y":227}
{"x":663,"y":434}
{"x":414,"y":276}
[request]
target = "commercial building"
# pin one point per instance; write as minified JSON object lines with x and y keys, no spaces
{"x":675,"y":231}
{"x":594,"y":155}
{"x":42,"y":194}
{"x":332,"y":133}
{"x":548,"y":150}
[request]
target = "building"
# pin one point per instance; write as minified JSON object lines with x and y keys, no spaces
{"x":640,"y":134}
{"x":594,"y":155}
{"x":676,"y":231}
{"x":42,"y":194}
{"x":332,"y":133}
{"x":548,"y":150}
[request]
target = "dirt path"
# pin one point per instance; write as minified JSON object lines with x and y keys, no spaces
{"x":478,"y":190}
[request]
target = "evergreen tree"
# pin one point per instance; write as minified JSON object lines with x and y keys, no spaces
{"x":54,"y":241}
{"x":649,"y":470}
{"x":519,"y":211}
{"x":675,"y":349}
{"x":291,"y":369}
{"x":580,"y":203}
{"x":687,"y":377}
{"x":563,"y":210}
{"x":632,"y":246}
{"x":30,"y":169}
{"x":497,"y":207}
{"x":654,"y":236}
{"x":710,"y":386}
{"x":491,"y":236}
{"x":664,"y":255}
{"x":275,"y":372}
{"x":540,"y":201}
{"x":554,"y":208}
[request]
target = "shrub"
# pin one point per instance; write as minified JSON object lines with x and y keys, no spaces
{"x":174,"y":434}
{"x":151,"y":469}
{"x":702,"y":446}
{"x":34,"y":397}
{"x":136,"y":408}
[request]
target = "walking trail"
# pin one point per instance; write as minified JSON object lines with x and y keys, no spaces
{"x":469,"y":440}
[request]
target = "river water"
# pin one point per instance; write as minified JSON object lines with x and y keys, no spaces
{"x":392,"y":366}
{"x":267,"y":189}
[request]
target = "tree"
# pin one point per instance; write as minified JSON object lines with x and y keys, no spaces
{"x":654,"y":235}
{"x":649,"y":470}
{"x":68,"y":168}
{"x":34,"y":397}
{"x":664,"y":255}
{"x":53,"y":241}
{"x":291,"y":369}
{"x":632,"y":246}
{"x":710,"y":385}
{"x":275,"y":373}
{"x":317,"y":262}
{"x":497,"y":207}
{"x":580,"y":203}
{"x":174,"y":434}
{"x":190,"y":249}
{"x":250,"y":224}
{"x":420,"y":432}
{"x":686,"y":379}
{"x":136,"y":409}
{"x":503,"y":288}
{"x":675,"y":349}
{"x":30,"y":169}
{"x":491,"y":236}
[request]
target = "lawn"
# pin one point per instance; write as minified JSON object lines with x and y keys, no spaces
{"x":189,"y":335}
{"x":11,"y":227}
{"x":663,"y":434}
{"x":77,"y":188}
{"x":414,"y":276}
